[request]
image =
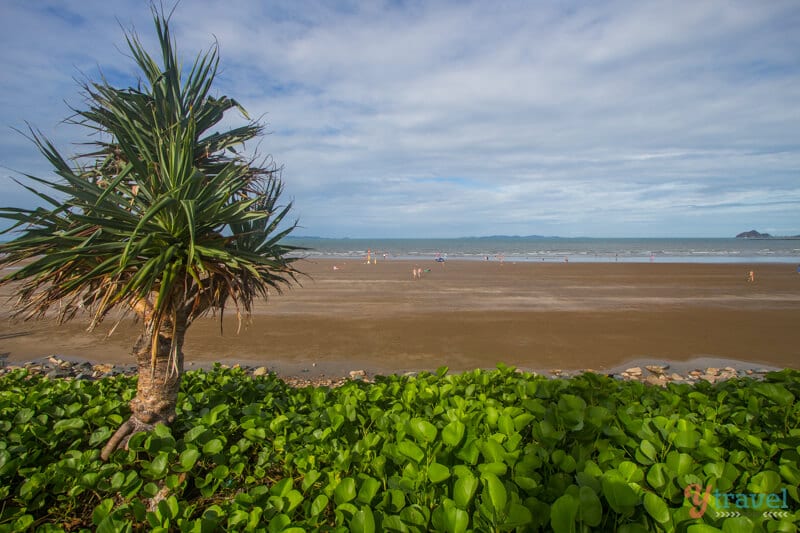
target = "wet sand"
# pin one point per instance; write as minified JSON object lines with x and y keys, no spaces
{"x":475,"y":314}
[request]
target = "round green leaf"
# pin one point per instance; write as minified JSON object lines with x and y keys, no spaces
{"x":738,"y":524}
{"x":619,"y":496}
{"x":438,"y":473}
{"x":345,"y":491}
{"x":656,"y":477}
{"x":363,"y":521}
{"x":369,"y":488}
{"x":464,"y":489}
{"x":411,"y":450}
{"x":590,"y":511}
{"x":453,"y":432}
{"x":563,"y":513}
{"x":212,"y":447}
{"x":188,"y":458}
{"x":496,"y":492}
{"x":458,"y":520}
{"x":764,"y":482}
{"x":319,"y":504}
{"x":648,"y":450}
{"x":518,"y":516}
{"x":679,"y":464}
{"x":657,"y":508}
{"x":422,"y":430}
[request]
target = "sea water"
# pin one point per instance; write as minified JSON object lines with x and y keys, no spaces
{"x":545,"y":249}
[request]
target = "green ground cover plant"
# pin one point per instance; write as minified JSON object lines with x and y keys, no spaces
{"x":484,"y":450}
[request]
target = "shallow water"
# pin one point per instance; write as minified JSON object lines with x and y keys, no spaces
{"x":546,"y":249}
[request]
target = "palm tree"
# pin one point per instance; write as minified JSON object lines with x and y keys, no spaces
{"x":160,"y":218}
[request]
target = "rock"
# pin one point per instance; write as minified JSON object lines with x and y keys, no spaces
{"x":634,"y":371}
{"x":657,"y":369}
{"x":659,"y":380}
{"x":677,"y":377}
{"x":260,"y":371}
{"x":358,"y":374}
{"x":712,"y":370}
{"x":103,"y":368}
{"x":696,"y":373}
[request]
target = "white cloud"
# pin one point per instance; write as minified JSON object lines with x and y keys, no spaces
{"x":453,"y":118}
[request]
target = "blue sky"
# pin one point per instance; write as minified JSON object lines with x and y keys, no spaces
{"x":443,"y":119}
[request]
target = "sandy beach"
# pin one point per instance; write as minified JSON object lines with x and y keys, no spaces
{"x":475,"y":314}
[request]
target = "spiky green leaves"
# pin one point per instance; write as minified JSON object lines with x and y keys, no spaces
{"x":159,"y":211}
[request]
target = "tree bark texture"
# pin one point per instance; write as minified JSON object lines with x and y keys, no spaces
{"x":157,"y":388}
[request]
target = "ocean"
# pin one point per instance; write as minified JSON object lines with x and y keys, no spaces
{"x":557,"y":249}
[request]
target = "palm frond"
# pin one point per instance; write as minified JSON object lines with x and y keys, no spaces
{"x":157,"y":210}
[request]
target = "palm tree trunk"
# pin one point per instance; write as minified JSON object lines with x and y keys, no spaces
{"x":157,"y":388}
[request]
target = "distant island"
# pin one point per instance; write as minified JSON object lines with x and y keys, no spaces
{"x":753,"y":234}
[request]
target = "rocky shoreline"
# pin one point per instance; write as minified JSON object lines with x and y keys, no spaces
{"x":55,"y":367}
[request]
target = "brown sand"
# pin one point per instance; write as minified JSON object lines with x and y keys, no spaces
{"x":466,"y":314}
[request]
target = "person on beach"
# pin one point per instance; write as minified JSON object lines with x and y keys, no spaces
{"x":751,"y":276}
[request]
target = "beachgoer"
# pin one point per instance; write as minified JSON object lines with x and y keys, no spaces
{"x":751,"y":276}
